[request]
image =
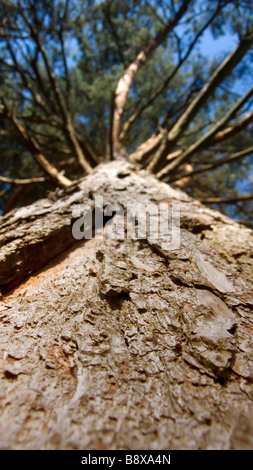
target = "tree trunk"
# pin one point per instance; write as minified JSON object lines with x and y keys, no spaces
{"x":125,"y":343}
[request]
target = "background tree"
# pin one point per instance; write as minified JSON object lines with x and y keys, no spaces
{"x":86,"y":81}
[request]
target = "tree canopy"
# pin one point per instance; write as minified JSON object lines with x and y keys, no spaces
{"x":84,"y":81}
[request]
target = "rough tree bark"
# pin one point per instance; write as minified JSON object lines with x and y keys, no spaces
{"x":122,"y":344}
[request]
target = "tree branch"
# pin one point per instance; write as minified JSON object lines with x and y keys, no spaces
{"x":223,"y":70}
{"x":229,"y":132}
{"x":24,"y":181}
{"x":64,"y":58}
{"x":23,"y":74}
{"x":125,"y":81}
{"x":233,"y":130}
{"x":144,"y":153}
{"x":205,"y":140}
{"x":211,"y":166}
{"x":68,"y":127}
{"x":219,"y":200}
{"x":33,"y":147}
{"x":165,"y":84}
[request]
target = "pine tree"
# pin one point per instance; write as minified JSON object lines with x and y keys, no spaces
{"x":84,"y":81}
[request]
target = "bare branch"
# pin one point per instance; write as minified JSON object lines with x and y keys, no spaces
{"x":233,"y":130}
{"x":144,"y":153}
{"x":224,"y":69}
{"x":23,"y":75}
{"x":165,"y":84}
{"x":207,"y":138}
{"x":36,"y":179}
{"x":219,"y":200}
{"x":229,"y":132}
{"x":64,"y":58}
{"x":4,"y":192}
{"x":212,"y":166}
{"x":33,"y":147}
{"x":146,"y":148}
{"x":19,"y":181}
{"x":68,"y":127}
{"x":125,"y":81}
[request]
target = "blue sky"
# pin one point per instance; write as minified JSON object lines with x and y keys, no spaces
{"x":211,"y":47}
{"x":220,"y":47}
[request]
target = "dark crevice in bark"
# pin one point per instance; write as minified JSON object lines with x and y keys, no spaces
{"x":118,"y":340}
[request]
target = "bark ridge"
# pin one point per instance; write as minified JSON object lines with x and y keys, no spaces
{"x":122,"y":344}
